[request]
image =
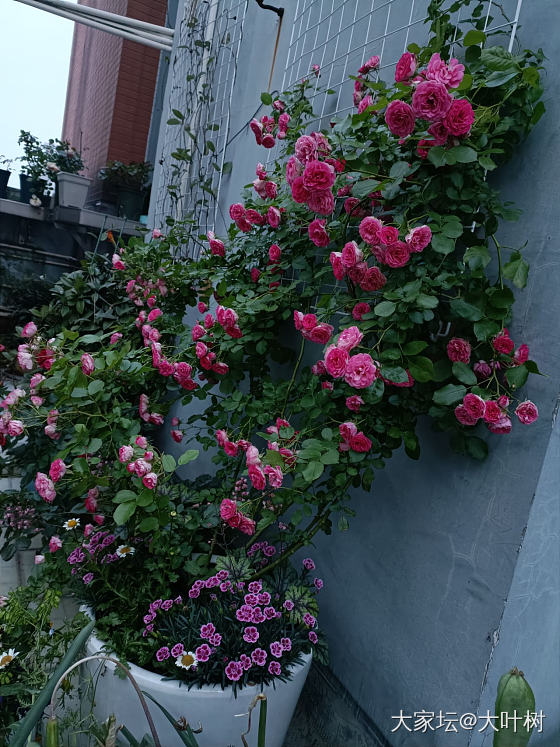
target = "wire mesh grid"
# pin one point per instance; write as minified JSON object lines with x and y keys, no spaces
{"x":339,"y":35}
{"x":203,"y":73}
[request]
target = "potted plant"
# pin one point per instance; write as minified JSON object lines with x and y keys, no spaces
{"x":65,"y":162}
{"x":4,"y":175}
{"x":128,"y":183}
{"x":35,"y":187}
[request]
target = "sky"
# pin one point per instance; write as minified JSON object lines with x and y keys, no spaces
{"x":35,"y":49}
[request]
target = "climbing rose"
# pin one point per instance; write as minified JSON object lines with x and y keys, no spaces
{"x":459,"y":118}
{"x":360,"y":309}
{"x":322,"y":333}
{"x":464,"y":416}
{"x":419,"y":238}
{"x":115,"y":337}
{"x":502,"y":426}
{"x":88,"y":364}
{"x":317,"y":232}
{"x":354,"y":403}
{"x":369,"y":230}
{"x":397,"y":254}
{"x":521,"y":355}
{"x":350,"y":255}
{"x":360,"y":443}
{"x":29,"y":330}
{"x":406,"y":67}
{"x":275,"y":253}
{"x":458,"y":350}
{"x":236,"y":211}
{"x":336,"y":360}
{"x":57,"y":470}
{"x":338,"y":267}
{"x":150,"y":480}
{"x":257,"y":477}
{"x":450,"y":75}
{"x":527,"y":412}
{"x":492,"y":411}
{"x":273,"y":217}
{"x":360,"y":371}
{"x":371,"y":64}
{"x":349,"y":338}
{"x":318,"y":175}
{"x":474,"y":405}
{"x":45,"y":487}
{"x":400,"y":118}
{"x":321,"y":202}
{"x":431,"y":100}
{"x":373,"y":279}
{"x":55,"y":543}
{"x":502,"y":343}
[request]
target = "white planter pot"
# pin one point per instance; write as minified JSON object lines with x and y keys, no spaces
{"x":72,"y":189}
{"x":222,"y":716}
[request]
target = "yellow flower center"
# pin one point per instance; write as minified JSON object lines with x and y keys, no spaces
{"x":5,"y":660}
{"x":72,"y":523}
{"x":125,"y":550}
{"x":187,"y":660}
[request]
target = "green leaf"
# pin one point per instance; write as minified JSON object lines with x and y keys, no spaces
{"x":449,"y":394}
{"x":462,"y":154}
{"x":332,"y":456}
{"x":398,"y":170}
{"x":123,"y":496}
{"x":149,"y":524}
{"x":517,"y":376}
{"x":414,"y":347}
{"x":90,"y":339}
{"x":487,"y":163}
{"x":188,"y":456}
{"x":501,"y":298}
{"x":477,"y":257}
{"x":517,"y":270}
{"x":385,"y":308}
{"x":79,"y":392}
{"x":123,"y":512}
{"x":427,"y":302}
{"x":364,"y":187}
{"x":485,"y":329}
{"x":473,"y":37}
{"x":538,"y":111}
{"x":465,"y":374}
{"x":394,"y":374}
{"x":266,"y":98}
{"x":94,"y":445}
{"x":466,"y":310}
{"x":442,"y":244}
{"x":168,"y":462}
{"x":421,"y":368}
{"x":437,"y":156}
{"x":95,"y":386}
{"x":499,"y":78}
{"x":313,"y":471}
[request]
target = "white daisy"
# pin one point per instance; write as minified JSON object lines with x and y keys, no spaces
{"x":71,"y":524}
{"x":124,"y":550}
{"x":187,"y":660}
{"x":6,"y":657}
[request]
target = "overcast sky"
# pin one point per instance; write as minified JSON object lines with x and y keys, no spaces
{"x":35,"y":51}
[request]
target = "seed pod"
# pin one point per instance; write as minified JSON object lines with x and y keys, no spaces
{"x":514,"y":698}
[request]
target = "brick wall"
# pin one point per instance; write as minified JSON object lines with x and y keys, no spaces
{"x":111,"y":89}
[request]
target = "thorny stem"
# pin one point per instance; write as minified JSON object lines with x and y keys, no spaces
{"x":500,"y":268}
{"x":292,"y":380}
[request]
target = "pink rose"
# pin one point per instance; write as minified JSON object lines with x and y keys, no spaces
{"x":492,"y":412}
{"x":502,"y":426}
{"x":464,"y":416}
{"x":460,"y":117}
{"x":321,"y":202}
{"x":353,"y":208}
{"x":305,"y":148}
{"x":475,"y":405}
{"x":347,"y":430}
{"x":154,"y":314}
{"x":115,"y":337}
{"x":318,"y":175}
{"x":274,"y":253}
{"x":150,"y":480}
{"x":373,"y":280}
{"x":55,"y":543}
{"x":308,"y":322}
{"x":521,"y":355}
{"x":336,"y":262}
{"x":228,"y":509}
{"x":388,"y":235}
{"x":365,"y":103}
{"x":90,"y":503}
{"x":317,"y":232}
{"x":419,"y":238}
{"x":294,"y":168}
{"x":360,"y":371}
{"x":57,"y":470}
{"x":502,"y":343}
{"x":482,"y":370}
{"x":275,"y":476}
{"x":450,"y":75}
{"x":319,"y":368}
{"x":458,"y":350}
{"x":406,"y":67}
{"x":351,"y":255}
{"x":15,"y":428}
{"x":527,"y":412}
{"x":45,"y":487}
{"x":371,"y":64}
{"x":257,"y":476}
{"x":273,"y":217}
{"x":117,"y":262}
{"x":271,"y":190}
{"x":88,"y":364}
{"x":439,"y":132}
{"x":431,"y":100}
{"x":177,"y":436}
{"x":322,"y":333}
{"x":369,"y":230}
{"x":354,"y":403}
{"x":360,"y":443}
{"x":357,"y":272}
{"x":335,"y":361}
{"x":236,"y":211}
{"x":397,"y":255}
{"x":231,"y":448}
{"x":360,"y":309}
{"x":300,"y":193}
{"x":29,"y":330}
{"x":400,"y":118}
{"x":349,"y":338}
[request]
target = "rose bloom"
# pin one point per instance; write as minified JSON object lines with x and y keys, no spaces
{"x":521,"y":355}
{"x":321,"y":202}
{"x":492,"y":412}
{"x":257,"y":476}
{"x":458,"y":350}
{"x":527,"y":412}
{"x":350,"y":255}
{"x":474,"y":405}
{"x":318,"y":175}
{"x":357,"y":272}
{"x":236,"y":211}
{"x":502,"y":343}
{"x":150,"y":480}
{"x":464,"y":416}
{"x":57,"y":470}
{"x":349,"y":338}
{"x":300,"y":193}
{"x":400,"y":118}
{"x":29,"y":330}
{"x":397,"y":255}
{"x":317,"y":232}
{"x":335,"y":361}
{"x":360,"y":309}
{"x":369,"y":230}
{"x":431,"y":100}
{"x":305,"y":148}
{"x":460,"y":117}
{"x":274,"y":253}
{"x":354,"y":403}
{"x":388,"y":235}
{"x":419,"y":238}
{"x":360,"y":443}
{"x":273,"y":217}
{"x":338,"y":267}
{"x":406,"y":67}
{"x":373,"y":279}
{"x":88,"y":364}
{"x":502,"y":426}
{"x":322,"y":333}
{"x":294,"y":168}
{"x":360,"y":371}
{"x":366,"y":102}
{"x":450,"y":75}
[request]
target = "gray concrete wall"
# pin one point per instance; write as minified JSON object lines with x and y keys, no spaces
{"x":416,"y":590}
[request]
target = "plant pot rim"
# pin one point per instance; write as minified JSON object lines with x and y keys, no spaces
{"x":151,"y":677}
{"x":68,"y":175}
